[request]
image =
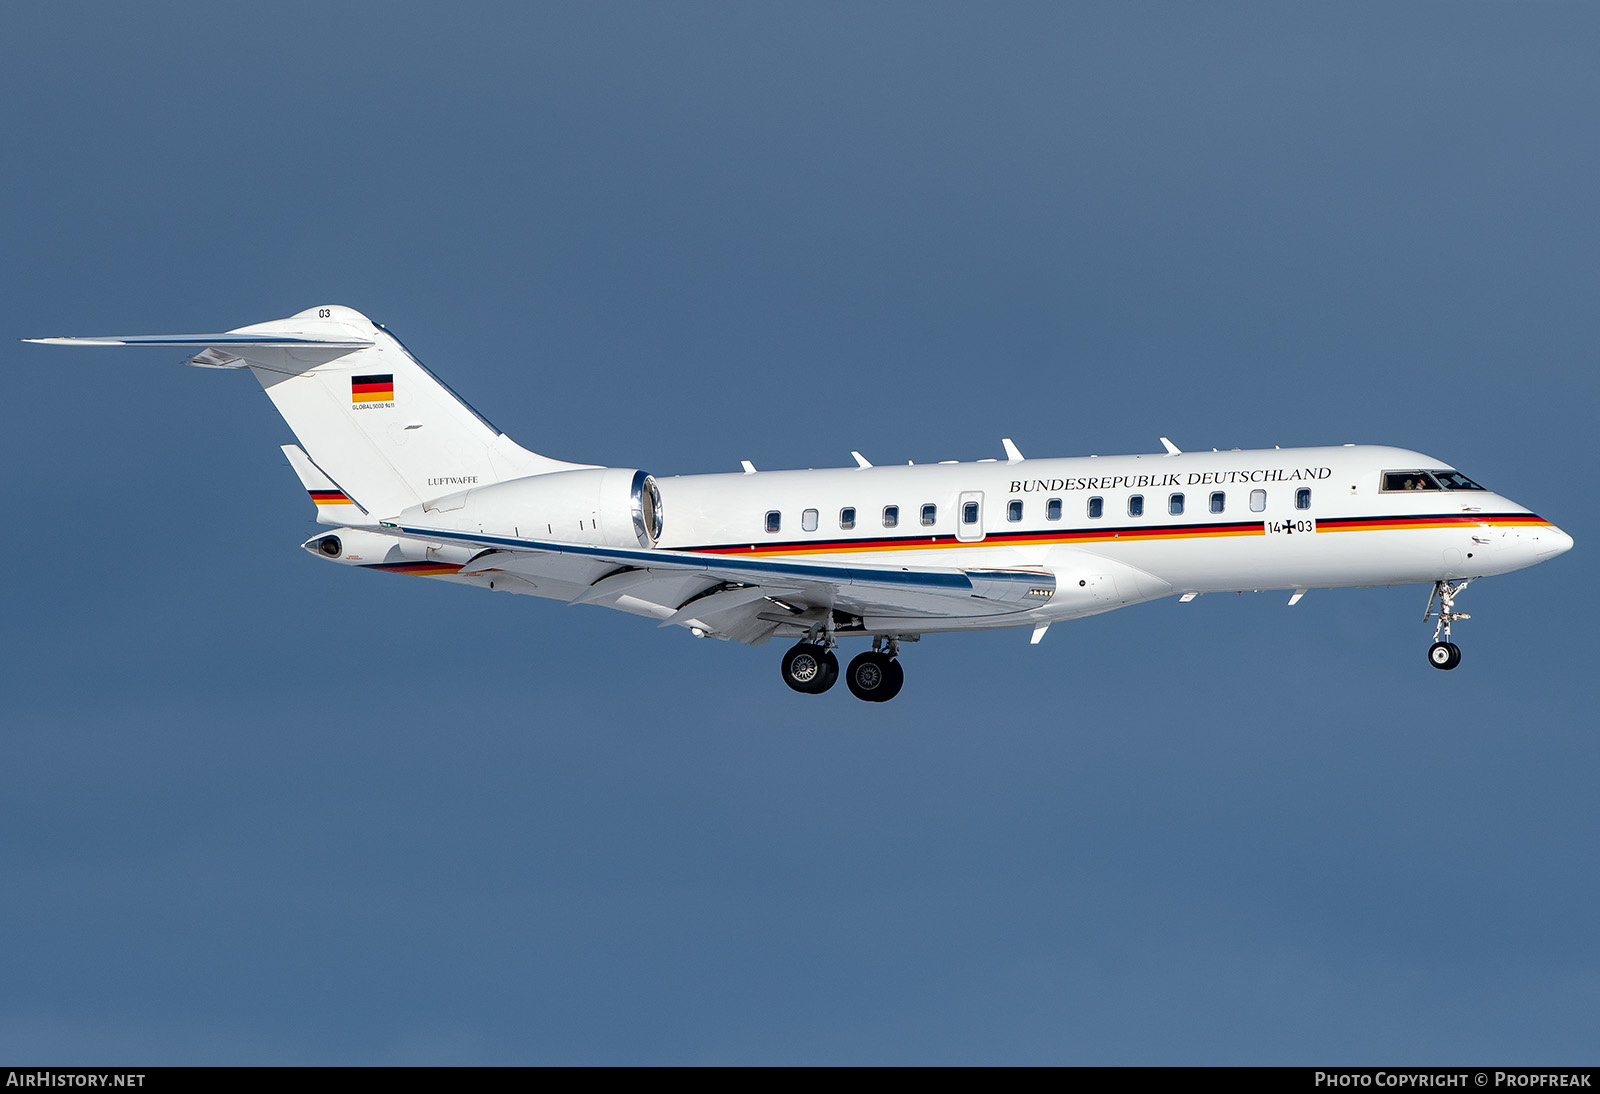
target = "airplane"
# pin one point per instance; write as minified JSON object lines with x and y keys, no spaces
{"x":412,"y":480}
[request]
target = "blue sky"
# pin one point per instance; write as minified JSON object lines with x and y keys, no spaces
{"x":264,"y":810}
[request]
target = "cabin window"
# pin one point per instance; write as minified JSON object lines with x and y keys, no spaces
{"x":1455,"y":480}
{"x":1258,"y":500}
{"x":1052,"y":509}
{"x":1219,"y":501}
{"x":1175,"y":505}
{"x":847,"y":517}
{"x":1097,"y":508}
{"x":1302,"y":498}
{"x":808,"y":520}
{"x":1136,"y":505}
{"x":930,"y":513}
{"x":1409,"y":480}
{"x":969,"y":512}
{"x":891,"y":516}
{"x":1014,"y":511}
{"x":774,"y":520}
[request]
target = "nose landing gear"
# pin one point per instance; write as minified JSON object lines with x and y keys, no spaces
{"x":1445,"y":654}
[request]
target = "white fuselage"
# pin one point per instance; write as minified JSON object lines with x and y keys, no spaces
{"x":1295,"y":518}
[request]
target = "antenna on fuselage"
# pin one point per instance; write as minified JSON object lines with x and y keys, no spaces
{"x":861,"y":461}
{"x":1013,"y":453}
{"x":1172,"y":449}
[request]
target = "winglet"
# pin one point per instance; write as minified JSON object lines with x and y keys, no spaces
{"x":1172,"y":449}
{"x":1013,"y":453}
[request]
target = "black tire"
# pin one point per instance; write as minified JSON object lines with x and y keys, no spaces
{"x":874,"y":677}
{"x":891,"y":686}
{"x":830,"y":664}
{"x":868,"y":676}
{"x":1444,"y":655}
{"x":810,"y":669}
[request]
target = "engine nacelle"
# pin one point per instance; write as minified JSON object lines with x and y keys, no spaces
{"x":361,"y":547}
{"x":613,"y":506}
{"x":364,"y":547}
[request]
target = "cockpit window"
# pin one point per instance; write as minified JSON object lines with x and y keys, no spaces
{"x":1409,"y":480}
{"x":1455,"y":480}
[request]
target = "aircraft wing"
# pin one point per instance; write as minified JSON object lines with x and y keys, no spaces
{"x":750,"y":599}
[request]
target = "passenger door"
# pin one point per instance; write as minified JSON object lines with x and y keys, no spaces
{"x":970,"y":506}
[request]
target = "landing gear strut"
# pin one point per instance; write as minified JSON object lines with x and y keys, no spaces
{"x":1445,"y":654}
{"x":811,"y":667}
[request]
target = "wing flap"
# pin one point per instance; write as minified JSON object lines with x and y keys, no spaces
{"x":720,"y":600}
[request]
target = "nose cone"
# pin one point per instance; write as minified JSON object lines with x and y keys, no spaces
{"x":1550,"y":542}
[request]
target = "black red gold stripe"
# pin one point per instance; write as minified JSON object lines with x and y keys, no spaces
{"x":1117,"y":534}
{"x":330,"y":497}
{"x":1437,"y":520}
{"x":1121,"y":534}
{"x":417,"y":569}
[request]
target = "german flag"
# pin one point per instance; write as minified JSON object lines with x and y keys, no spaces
{"x":330,"y":497}
{"x":372,"y":389}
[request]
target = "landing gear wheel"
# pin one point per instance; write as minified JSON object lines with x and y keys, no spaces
{"x":891,"y":688}
{"x":810,"y":669}
{"x":874,"y":677}
{"x":1444,"y":655}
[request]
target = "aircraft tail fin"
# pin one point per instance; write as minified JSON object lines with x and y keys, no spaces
{"x":373,"y":423}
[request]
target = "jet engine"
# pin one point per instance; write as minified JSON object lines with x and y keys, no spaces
{"x":612,"y":506}
{"x":363,"y":547}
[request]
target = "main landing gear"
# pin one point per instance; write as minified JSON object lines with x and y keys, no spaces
{"x":1445,"y":654}
{"x":874,"y":676}
{"x":810,"y":668}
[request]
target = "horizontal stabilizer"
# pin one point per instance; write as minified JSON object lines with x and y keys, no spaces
{"x":258,"y":341}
